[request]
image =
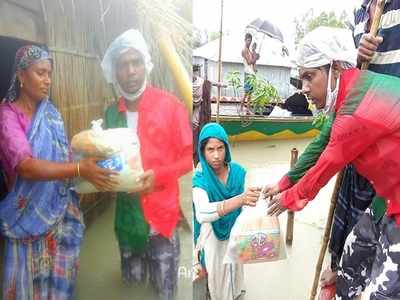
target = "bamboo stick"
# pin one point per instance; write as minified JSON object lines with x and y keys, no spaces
{"x":290,"y":220}
{"x":220,"y":61}
{"x":327,"y":233}
{"x":375,"y":24}
{"x":178,"y":70}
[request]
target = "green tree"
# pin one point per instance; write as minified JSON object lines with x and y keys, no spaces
{"x":309,"y":22}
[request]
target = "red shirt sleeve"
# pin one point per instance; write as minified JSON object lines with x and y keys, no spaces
{"x":181,"y":143}
{"x":349,"y":138}
{"x":285,"y":183}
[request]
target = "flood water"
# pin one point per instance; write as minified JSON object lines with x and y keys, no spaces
{"x":99,"y":276}
{"x":291,"y":279}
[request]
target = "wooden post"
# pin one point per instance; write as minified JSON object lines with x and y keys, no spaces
{"x":220,"y":62}
{"x":290,"y":220}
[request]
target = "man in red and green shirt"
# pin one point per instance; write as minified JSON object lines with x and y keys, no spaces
{"x":364,"y":132}
{"x":146,"y":219}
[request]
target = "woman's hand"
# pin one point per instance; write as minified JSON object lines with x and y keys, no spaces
{"x":271,"y":190}
{"x":101,"y":178}
{"x":250,"y":196}
{"x":275,"y":207}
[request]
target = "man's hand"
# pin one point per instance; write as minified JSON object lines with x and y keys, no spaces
{"x":275,"y":207}
{"x":271,"y":190}
{"x":367,"y":47}
{"x":145,"y":183}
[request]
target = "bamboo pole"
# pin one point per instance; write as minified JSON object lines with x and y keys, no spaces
{"x":178,"y":70}
{"x":327,"y":233}
{"x":290,"y":220}
{"x":374,"y":30}
{"x":375,"y":24}
{"x":220,"y":61}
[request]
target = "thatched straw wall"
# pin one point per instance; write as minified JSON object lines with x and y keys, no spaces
{"x":78,"y":32}
{"x":88,"y":27}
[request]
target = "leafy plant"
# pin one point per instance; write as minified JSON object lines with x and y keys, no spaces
{"x":263,"y":91}
{"x":234,"y":81}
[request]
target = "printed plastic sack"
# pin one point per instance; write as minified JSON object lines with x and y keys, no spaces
{"x":99,"y":142}
{"x":122,"y":150}
{"x":255,"y":237}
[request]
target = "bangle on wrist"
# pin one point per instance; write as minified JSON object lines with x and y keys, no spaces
{"x":221,"y":208}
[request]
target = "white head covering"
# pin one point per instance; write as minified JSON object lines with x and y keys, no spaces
{"x":324,"y":45}
{"x":131,"y":39}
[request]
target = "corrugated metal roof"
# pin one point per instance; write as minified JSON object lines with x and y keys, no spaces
{"x":232,"y":45}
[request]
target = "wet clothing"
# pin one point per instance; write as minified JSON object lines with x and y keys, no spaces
{"x":354,"y":197}
{"x":45,"y":267}
{"x":159,"y":263}
{"x":365,"y":133}
{"x":370,"y":260}
{"x":168,"y":152}
{"x":248,"y":87}
{"x":40,"y":220}
{"x":211,"y":231}
{"x":146,"y":226}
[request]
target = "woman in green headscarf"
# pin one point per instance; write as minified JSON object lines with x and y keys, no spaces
{"x":218,"y":195}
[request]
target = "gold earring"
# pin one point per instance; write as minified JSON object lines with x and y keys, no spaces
{"x":22,"y":85}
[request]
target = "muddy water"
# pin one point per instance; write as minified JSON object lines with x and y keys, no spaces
{"x":99,"y":274}
{"x":290,"y":279}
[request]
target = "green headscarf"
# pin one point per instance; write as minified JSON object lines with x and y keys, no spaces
{"x":216,"y":190}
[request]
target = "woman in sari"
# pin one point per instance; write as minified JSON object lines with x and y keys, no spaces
{"x":218,"y":195}
{"x":40,"y":216}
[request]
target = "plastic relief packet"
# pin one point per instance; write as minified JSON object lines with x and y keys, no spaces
{"x":121,"y":149}
{"x":255,"y":237}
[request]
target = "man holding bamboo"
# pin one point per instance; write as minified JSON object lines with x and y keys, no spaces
{"x":146,"y":219}
{"x":356,"y":193}
{"x":364,"y":129}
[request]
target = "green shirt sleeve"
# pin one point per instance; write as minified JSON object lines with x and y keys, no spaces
{"x":313,"y":151}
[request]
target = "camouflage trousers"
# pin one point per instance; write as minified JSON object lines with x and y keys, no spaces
{"x":159,"y":264}
{"x":371,"y":260}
